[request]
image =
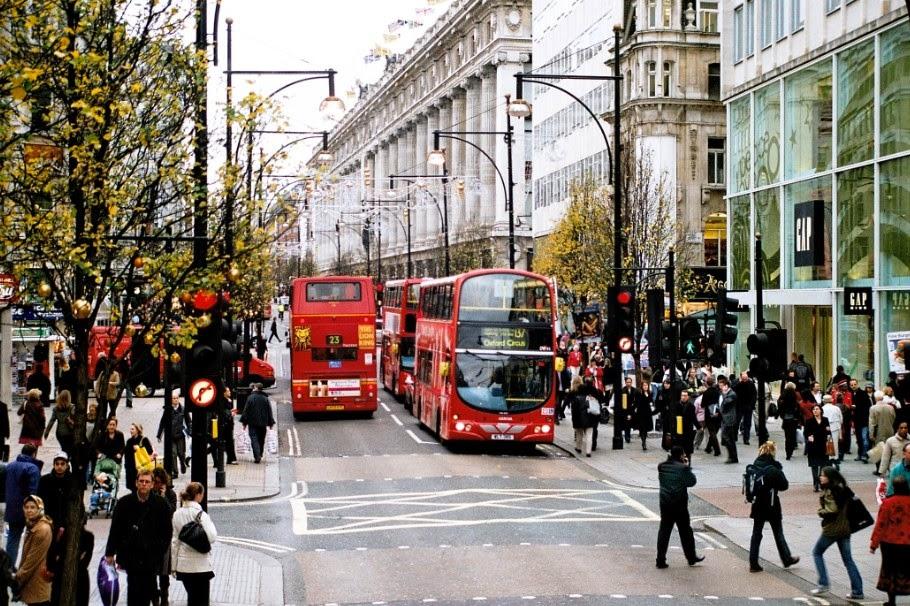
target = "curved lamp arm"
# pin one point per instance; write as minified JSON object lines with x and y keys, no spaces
{"x":505,"y":188}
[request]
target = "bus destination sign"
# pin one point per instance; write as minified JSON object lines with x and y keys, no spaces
{"x":502,"y":337}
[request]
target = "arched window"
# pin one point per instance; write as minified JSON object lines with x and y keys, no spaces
{"x":716,"y":240}
{"x":668,"y":78}
{"x":652,"y":78}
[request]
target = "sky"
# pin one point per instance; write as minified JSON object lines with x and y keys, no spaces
{"x":309,"y":35}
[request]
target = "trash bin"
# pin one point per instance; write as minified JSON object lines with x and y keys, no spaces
{"x":242,"y":394}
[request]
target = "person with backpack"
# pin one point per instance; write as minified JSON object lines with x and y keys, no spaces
{"x":586,"y":404}
{"x":763,"y":481}
{"x":803,"y":373}
{"x":790,"y":416}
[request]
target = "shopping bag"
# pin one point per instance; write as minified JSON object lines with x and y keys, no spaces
{"x":881,"y":490}
{"x":108,"y":583}
{"x":143,"y":460}
{"x":242,"y":445}
{"x":271,"y":441}
{"x":875,"y":455}
{"x":857,"y":515}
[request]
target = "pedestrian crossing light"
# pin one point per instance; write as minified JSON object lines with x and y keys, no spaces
{"x":691,"y":342}
{"x":622,"y":318}
{"x":769,"y":346}
{"x":725,"y":330}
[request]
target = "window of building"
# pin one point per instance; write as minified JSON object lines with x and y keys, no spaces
{"x":707,"y":15}
{"x":832,"y":5}
{"x":652,"y":13}
{"x":811,"y":200}
{"x":739,"y":43}
{"x":750,"y":28}
{"x":808,"y":121}
{"x":780,"y":28}
{"x":717,"y":147}
{"x":855,"y":106}
{"x":667,"y":13}
{"x":894,"y":196}
{"x":740,"y":145}
{"x":668,"y":78}
{"x":895,"y":317}
{"x":796,"y":15}
{"x":716,"y":240}
{"x":740,"y":243}
{"x":767,"y":22}
{"x":767,"y":223}
{"x":714,"y":80}
{"x":855,"y":252}
{"x":766,"y":105}
{"x":894,"y":96}
{"x":652,"y":78}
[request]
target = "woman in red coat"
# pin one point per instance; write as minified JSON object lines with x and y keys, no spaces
{"x":892,"y":533}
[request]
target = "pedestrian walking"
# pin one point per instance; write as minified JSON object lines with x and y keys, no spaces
{"x":881,"y":419}
{"x":34,"y":587}
{"x":835,"y":423}
{"x":40,"y":381}
{"x":256,"y":417}
{"x":713,"y":417}
{"x":892,"y":449}
{"x":107,"y":388}
{"x":161,"y":484}
{"x":862,"y":404}
{"x":643,"y":418}
{"x":273,"y":331}
{"x":675,"y":478}
{"x":573,"y":362}
{"x":817,"y":433}
{"x":22,"y":477}
{"x":700,"y":415}
{"x":681,"y":423}
{"x":892,"y":534}
{"x":226,"y":429}
{"x":770,"y":481}
{"x":63,"y":416}
{"x":835,"y":529}
{"x":803,"y":373}
{"x":728,"y":408}
{"x":584,"y":404}
{"x":788,"y":409}
{"x":625,"y":413}
{"x":193,"y":568}
{"x":53,"y":489}
{"x":902,"y":469}
{"x":139,"y":535}
{"x":130,"y":451}
{"x":746,"y":398}
{"x":110,"y":442}
{"x":33,"y":420}
{"x":178,"y":431}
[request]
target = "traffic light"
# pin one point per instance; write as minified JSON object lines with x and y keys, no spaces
{"x":621,"y":310}
{"x":725,"y":330}
{"x":769,"y":346}
{"x":204,"y":369}
{"x":656,"y":349}
{"x":691,"y":340}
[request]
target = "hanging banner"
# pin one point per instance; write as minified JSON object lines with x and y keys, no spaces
{"x":809,"y":234}
{"x":898,"y":350}
{"x":9,"y":289}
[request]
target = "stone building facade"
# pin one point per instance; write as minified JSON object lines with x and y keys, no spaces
{"x":454,"y":78}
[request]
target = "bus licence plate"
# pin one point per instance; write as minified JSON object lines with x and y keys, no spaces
{"x":335,"y":407}
{"x":501,"y":436}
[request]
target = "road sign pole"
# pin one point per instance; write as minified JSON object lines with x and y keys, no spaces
{"x":762,"y":429}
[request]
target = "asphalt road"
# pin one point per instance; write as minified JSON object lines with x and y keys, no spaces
{"x":375,"y":511}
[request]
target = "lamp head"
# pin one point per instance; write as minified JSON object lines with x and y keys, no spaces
{"x":325,"y":157}
{"x":437,"y":157}
{"x":332,"y":107}
{"x":519,"y":108}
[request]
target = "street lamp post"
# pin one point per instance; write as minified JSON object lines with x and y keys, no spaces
{"x":437,"y":157}
{"x":520,"y":108}
{"x":338,"y":225}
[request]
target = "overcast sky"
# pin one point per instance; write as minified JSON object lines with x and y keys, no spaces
{"x":303,"y":35}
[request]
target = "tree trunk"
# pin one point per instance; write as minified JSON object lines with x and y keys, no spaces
{"x":75,"y":518}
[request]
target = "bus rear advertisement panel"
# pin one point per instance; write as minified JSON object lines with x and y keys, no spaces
{"x":333,"y":345}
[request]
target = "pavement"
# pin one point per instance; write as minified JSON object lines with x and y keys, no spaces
{"x":242,"y":576}
{"x":720,"y":485}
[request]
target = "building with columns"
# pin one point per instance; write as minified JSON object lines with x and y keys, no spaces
{"x":454,"y":78}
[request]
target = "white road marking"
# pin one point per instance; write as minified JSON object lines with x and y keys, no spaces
{"x":665,"y":596}
{"x":297,"y":441}
{"x":299,"y":515}
{"x":397,"y":420}
{"x":704,"y":536}
{"x":290,"y":444}
{"x":384,"y":406}
{"x":822,"y":601}
{"x":273,"y":547}
{"x":416,"y":439}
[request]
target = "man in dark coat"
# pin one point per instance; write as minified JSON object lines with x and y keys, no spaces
{"x":625,"y":409}
{"x":139,"y":537}
{"x":22,"y":476}
{"x":710,"y":402}
{"x":178,"y":431}
{"x":681,"y":423}
{"x":675,"y":477}
{"x":38,"y":380}
{"x":862,"y":404}
{"x":746,"y":398}
{"x":257,"y":415}
{"x":52,"y":488}
{"x":766,"y":506}
{"x":728,"y":412}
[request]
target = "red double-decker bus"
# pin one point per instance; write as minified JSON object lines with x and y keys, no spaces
{"x":333,"y":345}
{"x":485,"y":352}
{"x":399,"y":321}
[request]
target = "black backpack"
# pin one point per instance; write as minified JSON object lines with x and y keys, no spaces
{"x":802,"y":371}
{"x":755,"y":482}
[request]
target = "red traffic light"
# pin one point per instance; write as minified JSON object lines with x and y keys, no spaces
{"x":204,"y":300}
{"x":624,"y":297}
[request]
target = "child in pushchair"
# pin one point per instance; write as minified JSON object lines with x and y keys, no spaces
{"x":104,"y":487}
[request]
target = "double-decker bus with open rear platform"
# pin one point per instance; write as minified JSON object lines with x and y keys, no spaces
{"x":333,"y":345}
{"x":485,"y":354}
{"x":399,"y":321}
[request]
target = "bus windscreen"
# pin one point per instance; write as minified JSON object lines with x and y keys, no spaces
{"x":504,"y":298}
{"x":317,"y":292}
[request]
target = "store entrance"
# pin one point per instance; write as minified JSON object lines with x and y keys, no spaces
{"x":812,"y":330}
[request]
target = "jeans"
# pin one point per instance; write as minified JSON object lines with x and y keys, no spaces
{"x":862,"y":442}
{"x":745,"y":426}
{"x":257,"y":441}
{"x":13,"y":537}
{"x":677,"y":515}
{"x":818,"y":553}
{"x":777,"y":528}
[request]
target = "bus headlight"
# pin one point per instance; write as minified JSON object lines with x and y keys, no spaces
{"x":459,"y":426}
{"x":545,"y":429}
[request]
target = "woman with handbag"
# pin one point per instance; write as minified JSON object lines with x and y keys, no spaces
{"x":835,"y":529}
{"x":33,"y":420}
{"x":132,"y":455}
{"x":33,"y":576}
{"x":817,"y":434}
{"x":194,"y":534}
{"x":892,"y":534}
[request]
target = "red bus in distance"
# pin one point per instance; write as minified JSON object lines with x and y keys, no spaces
{"x":332,"y":338}
{"x":399,"y":321}
{"x":485,"y":350}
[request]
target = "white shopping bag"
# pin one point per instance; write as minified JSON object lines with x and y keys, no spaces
{"x":271,"y":441}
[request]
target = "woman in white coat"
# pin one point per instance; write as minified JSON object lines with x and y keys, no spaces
{"x":193,"y":568}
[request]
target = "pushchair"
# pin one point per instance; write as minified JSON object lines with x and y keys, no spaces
{"x":104,"y":487}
